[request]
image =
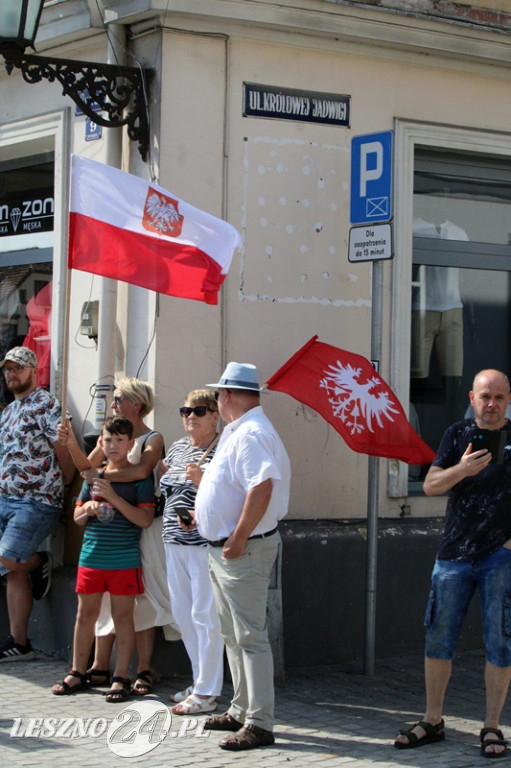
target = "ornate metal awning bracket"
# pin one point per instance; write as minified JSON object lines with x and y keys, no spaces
{"x":111,"y":95}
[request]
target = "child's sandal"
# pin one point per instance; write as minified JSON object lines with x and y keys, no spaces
{"x":143,"y":684}
{"x":118,"y":695}
{"x":93,"y":674}
{"x":64,"y":689}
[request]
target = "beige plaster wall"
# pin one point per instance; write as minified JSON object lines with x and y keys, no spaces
{"x":288,"y":193}
{"x":191,"y":141}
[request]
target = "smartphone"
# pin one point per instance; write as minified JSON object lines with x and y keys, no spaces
{"x":494,"y":440}
{"x":185,"y":516}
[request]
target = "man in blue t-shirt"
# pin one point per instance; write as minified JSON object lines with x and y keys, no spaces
{"x":475,"y":551}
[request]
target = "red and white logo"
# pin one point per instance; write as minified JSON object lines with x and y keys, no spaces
{"x":161,"y":214}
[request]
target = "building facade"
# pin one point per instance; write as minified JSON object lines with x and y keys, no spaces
{"x":253,"y":109}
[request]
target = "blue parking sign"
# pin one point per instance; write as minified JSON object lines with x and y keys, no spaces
{"x":371,"y":178}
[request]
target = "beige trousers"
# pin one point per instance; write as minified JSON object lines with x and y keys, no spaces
{"x":241,"y":594}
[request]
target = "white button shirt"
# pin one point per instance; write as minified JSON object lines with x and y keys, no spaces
{"x":248,"y":453}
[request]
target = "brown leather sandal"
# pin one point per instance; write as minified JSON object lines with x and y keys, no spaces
{"x":225,"y":722}
{"x":248,"y":737}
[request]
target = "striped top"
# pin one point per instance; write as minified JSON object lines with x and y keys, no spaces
{"x":114,"y":545}
{"x":179,"y":492}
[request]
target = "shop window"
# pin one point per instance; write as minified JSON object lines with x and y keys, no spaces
{"x":26,"y":259}
{"x":461,"y":284}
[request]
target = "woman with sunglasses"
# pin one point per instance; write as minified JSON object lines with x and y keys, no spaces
{"x":191,"y":593}
{"x":133,"y":399}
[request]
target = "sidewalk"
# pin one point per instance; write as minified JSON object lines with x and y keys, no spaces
{"x":325,"y":717}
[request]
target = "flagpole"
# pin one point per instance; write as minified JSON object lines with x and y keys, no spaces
{"x":62,"y":186}
{"x":65,"y":346}
{"x":373,"y":482}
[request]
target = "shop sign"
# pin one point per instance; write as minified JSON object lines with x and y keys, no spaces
{"x":293,"y":104}
{"x":27,"y":213}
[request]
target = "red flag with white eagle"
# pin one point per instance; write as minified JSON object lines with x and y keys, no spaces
{"x":124,"y":227}
{"x":347,"y":391}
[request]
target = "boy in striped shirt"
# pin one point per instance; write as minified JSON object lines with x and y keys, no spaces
{"x":113,"y":515}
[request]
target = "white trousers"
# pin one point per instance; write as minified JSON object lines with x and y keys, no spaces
{"x":194,"y":611}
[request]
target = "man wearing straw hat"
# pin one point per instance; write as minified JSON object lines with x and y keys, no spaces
{"x":243,"y":494}
{"x":33,"y":471}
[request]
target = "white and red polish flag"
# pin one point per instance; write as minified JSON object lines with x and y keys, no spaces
{"x":346,"y":390}
{"x":124,"y":227}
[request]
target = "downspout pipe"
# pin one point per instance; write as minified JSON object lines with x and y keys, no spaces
{"x":107,"y":315}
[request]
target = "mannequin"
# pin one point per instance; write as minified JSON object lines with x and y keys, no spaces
{"x":437,"y":325}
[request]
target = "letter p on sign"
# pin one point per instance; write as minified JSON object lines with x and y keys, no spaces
{"x":371,"y":164}
{"x":371,"y":178}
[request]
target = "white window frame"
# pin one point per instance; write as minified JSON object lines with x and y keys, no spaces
{"x":49,"y":132}
{"x":407,"y":135}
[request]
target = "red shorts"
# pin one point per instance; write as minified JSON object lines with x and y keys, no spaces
{"x":125,"y":582}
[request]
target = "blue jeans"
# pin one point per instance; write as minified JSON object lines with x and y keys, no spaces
{"x":452,"y":587}
{"x":24,"y":524}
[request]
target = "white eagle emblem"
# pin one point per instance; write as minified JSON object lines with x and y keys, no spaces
{"x":161,"y":214}
{"x":358,"y":404}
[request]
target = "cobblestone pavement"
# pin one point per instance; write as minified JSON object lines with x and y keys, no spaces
{"x":325,"y":717}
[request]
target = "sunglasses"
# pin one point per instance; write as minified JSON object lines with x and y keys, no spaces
{"x":217,"y":393}
{"x":199,"y":410}
{"x":118,"y":399}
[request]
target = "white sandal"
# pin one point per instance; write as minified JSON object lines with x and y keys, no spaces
{"x":194,"y":705}
{"x":181,"y":695}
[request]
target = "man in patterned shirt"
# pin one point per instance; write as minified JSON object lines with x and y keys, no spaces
{"x":34,"y":470}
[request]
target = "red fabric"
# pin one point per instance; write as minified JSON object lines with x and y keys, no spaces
{"x":159,"y":265}
{"x":346,"y":390}
{"x":38,"y":338}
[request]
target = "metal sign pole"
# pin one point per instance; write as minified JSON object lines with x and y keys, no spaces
{"x":372,"y":483}
{"x":371,"y":198}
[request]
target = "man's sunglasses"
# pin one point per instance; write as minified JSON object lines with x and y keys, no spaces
{"x":199,"y":410}
{"x":217,"y":393}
